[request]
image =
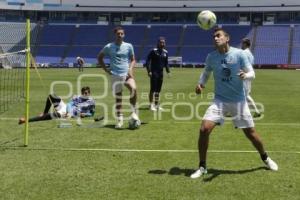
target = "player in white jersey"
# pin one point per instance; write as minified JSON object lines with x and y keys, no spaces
{"x":122,"y":62}
{"x":247,"y":82}
{"x":230,"y":67}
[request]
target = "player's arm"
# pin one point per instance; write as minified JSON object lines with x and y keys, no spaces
{"x":90,"y":111}
{"x":167,"y":64}
{"x":203,"y":80}
{"x":101,"y":63}
{"x":148,"y":61}
{"x":132,"y":63}
{"x":204,"y":76}
{"x":247,"y":71}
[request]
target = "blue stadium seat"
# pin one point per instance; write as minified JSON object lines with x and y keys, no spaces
{"x":270,"y":35}
{"x":57,"y":34}
{"x":295,"y":55}
{"x":91,"y":35}
{"x":271,"y":55}
{"x":170,"y":32}
{"x":50,"y":54}
{"x":195,"y":54}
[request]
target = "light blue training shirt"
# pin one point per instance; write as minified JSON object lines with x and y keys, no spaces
{"x":119,"y":56}
{"x":225,"y":68}
{"x":249,"y":56}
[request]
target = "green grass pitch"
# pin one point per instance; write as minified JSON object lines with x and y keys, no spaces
{"x":99,"y":162}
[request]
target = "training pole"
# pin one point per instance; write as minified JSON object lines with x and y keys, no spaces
{"x":27,"y":82}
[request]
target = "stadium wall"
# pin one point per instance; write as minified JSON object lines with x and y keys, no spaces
{"x":151,"y":5}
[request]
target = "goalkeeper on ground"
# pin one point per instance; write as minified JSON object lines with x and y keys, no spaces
{"x":78,"y":106}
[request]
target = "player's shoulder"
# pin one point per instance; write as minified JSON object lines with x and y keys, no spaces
{"x":109,"y":45}
{"x":248,"y":52}
{"x":235,"y":50}
{"x":212,"y":54}
{"x":127,"y":44}
{"x":165,"y":50}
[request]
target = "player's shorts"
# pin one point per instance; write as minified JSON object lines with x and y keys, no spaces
{"x":61,"y":108}
{"x":117,"y":83}
{"x":239,"y":112}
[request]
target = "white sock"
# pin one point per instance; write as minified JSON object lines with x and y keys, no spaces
{"x":133,"y":109}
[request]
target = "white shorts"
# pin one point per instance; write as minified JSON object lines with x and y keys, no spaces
{"x":239,"y":112}
{"x":61,"y":108}
{"x":117,"y":83}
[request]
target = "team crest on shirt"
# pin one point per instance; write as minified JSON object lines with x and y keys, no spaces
{"x":226,"y":72}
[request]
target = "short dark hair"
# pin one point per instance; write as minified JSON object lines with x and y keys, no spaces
{"x":161,"y":38}
{"x":86,"y":88}
{"x":246,"y":41}
{"x":116,"y":29}
{"x":220,"y":29}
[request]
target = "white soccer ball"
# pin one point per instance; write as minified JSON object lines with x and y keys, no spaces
{"x":134,"y":123}
{"x":206,"y":19}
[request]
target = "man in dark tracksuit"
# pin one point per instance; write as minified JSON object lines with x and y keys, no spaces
{"x":156,"y":61}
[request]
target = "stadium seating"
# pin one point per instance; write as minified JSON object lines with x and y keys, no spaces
{"x":273,"y":35}
{"x":296,"y":38}
{"x":271,"y":55}
{"x":193,"y":35}
{"x":237,"y":33}
{"x":56,"y":34}
{"x":91,"y":35}
{"x":66,"y":42}
{"x":295,"y":58}
{"x":50,"y":54}
{"x":272,"y":45}
{"x":89,"y":53}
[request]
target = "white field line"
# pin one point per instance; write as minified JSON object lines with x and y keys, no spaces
{"x":141,"y":150}
{"x":166,"y":122}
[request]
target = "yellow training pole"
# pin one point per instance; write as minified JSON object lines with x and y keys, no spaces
{"x":27,"y":81}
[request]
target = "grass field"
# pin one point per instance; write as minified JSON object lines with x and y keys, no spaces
{"x":96,"y":161}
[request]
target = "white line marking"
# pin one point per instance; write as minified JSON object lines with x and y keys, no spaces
{"x":168,"y":122}
{"x":141,"y":150}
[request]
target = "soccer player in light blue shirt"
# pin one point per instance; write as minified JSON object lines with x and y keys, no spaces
{"x":247,"y":82}
{"x":122,"y":61}
{"x":230,"y":67}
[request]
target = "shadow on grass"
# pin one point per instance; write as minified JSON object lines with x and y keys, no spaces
{"x":144,"y":108}
{"x":112,"y":126}
{"x":212,"y":173}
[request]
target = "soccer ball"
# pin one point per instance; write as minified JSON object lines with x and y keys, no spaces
{"x":134,"y":123}
{"x":206,"y":19}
